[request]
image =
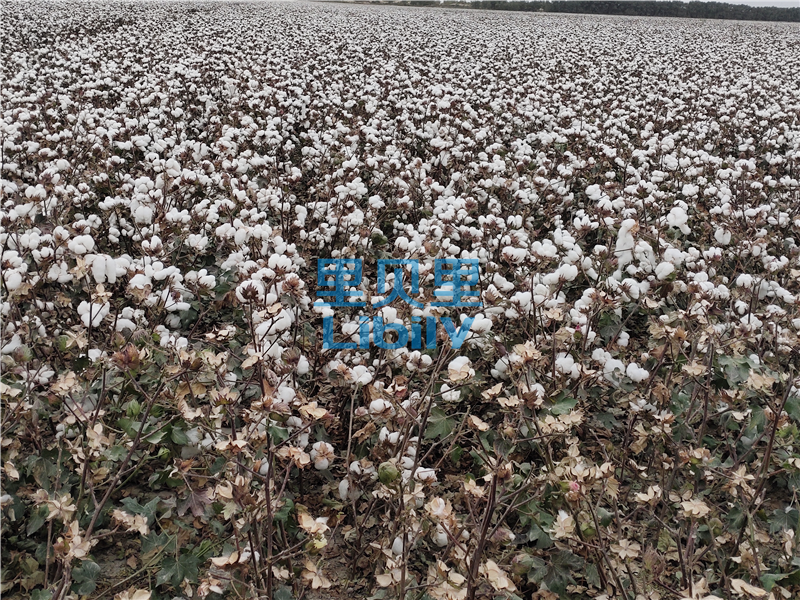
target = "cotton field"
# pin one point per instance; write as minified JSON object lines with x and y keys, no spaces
{"x":615,"y":413}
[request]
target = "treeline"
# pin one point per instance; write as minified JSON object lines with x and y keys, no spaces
{"x":637,"y":8}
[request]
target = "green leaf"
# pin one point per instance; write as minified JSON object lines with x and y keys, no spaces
{"x":153,"y":543}
{"x":148,"y":510}
{"x":792,"y":407}
{"x":592,"y":576}
{"x":218,"y":465}
{"x":41,"y":595}
{"x":283,"y":514}
{"x":157,"y":437}
{"x":784,"y":519}
{"x":736,"y":370}
{"x":605,"y":516}
{"x":557,"y":573}
{"x":607,"y":420}
{"x":439,"y":424}
{"x":37,"y":520}
{"x":179,"y":436}
{"x":563,"y":406}
{"x":278,"y":434}
{"x":174,"y":571}
{"x":538,"y":535}
{"x":283,"y":593}
{"x":665,"y":541}
{"x":85,"y":578}
{"x":768,"y":580}
{"x":115,"y":453}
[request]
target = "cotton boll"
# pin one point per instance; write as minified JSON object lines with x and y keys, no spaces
{"x":381,"y":408}
{"x":397,"y":546}
{"x":344,"y":490}
{"x":636,"y":373}
{"x":678,"y":219}
{"x":723,"y":236}
{"x":613,"y":369}
{"x":565,"y":364}
{"x":81,"y":244}
{"x":439,"y":536}
{"x":450,"y":396}
{"x":593,"y":192}
{"x":425,"y":475}
{"x":251,"y":290}
{"x":321,"y":454}
{"x":12,"y":345}
{"x":689,"y":190}
{"x":95,"y":312}
{"x":664,"y":270}
{"x":625,"y":242}
{"x":12,"y":278}
{"x":100,"y":268}
{"x":143,"y":215}
{"x":459,"y":369}
{"x":303,"y":365}
{"x":567,"y":272}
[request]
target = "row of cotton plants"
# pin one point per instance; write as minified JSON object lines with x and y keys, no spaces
{"x":614,"y":413}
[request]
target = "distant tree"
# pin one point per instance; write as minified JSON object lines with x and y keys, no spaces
{"x":633,"y":8}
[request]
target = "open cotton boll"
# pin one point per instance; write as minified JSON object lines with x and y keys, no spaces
{"x":480,"y":324}
{"x":322,"y":454}
{"x":664,"y":270}
{"x":425,"y":475}
{"x":613,"y":369}
{"x":361,"y":375}
{"x":93,"y":313}
{"x":381,"y":408}
{"x":439,"y":536}
{"x":722,"y":236}
{"x":678,"y":219}
{"x":636,"y":373}
{"x":81,"y":244}
{"x":12,"y":278}
{"x":251,"y":290}
{"x":449,"y":395}
{"x":303,"y":366}
{"x":690,"y":190}
{"x":565,"y":364}
{"x":460,"y":369}
{"x":104,"y":268}
{"x":625,"y":242}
